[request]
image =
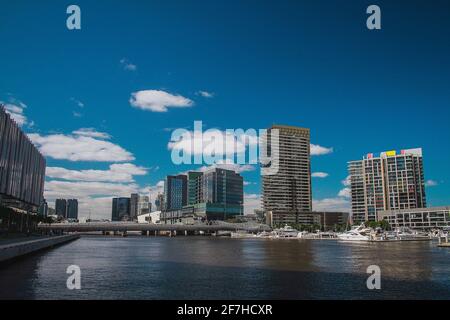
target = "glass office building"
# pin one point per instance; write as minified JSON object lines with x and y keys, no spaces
{"x":120,"y":209}
{"x":22,"y":167}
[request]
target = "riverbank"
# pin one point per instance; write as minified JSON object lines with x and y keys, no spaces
{"x":21,"y":247}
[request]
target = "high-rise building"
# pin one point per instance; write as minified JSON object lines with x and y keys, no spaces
{"x":22,"y":167}
{"x":134,"y":201}
{"x":215,"y":194}
{"x":389,"y":181}
{"x":72,"y":209}
{"x":43,"y":208}
{"x":120,"y":209}
{"x":159,"y":202}
{"x":144,"y":206}
{"x":175,"y":192}
{"x":61,"y":208}
{"x":195,"y":191}
{"x":286,"y":178}
{"x":222,"y":186}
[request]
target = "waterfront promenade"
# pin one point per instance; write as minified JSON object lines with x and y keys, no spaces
{"x":10,"y":249}
{"x":148,"y":228}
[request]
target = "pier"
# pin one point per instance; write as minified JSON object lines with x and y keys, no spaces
{"x":443,"y":241}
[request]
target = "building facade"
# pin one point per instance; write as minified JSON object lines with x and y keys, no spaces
{"x":22,"y":167}
{"x":215,"y":194}
{"x":43,"y":208}
{"x":420,"y":218}
{"x":175,"y":192}
{"x":61,"y":208}
{"x":72,"y":209}
{"x":390,"y":181}
{"x":144,"y":206}
{"x":159,"y":202}
{"x":195,"y":190}
{"x":120,"y":209}
{"x":286,"y":190}
{"x":134,"y":202}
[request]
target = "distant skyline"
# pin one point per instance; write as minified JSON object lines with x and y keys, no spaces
{"x":101,"y":102}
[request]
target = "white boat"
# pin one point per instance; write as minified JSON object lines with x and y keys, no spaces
{"x":405,"y":233}
{"x":360,"y":233}
{"x":286,"y":232}
{"x":264,"y":234}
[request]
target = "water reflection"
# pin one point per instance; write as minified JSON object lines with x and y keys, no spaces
{"x":216,"y":268}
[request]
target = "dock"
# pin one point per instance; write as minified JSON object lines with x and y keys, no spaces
{"x":443,"y":241}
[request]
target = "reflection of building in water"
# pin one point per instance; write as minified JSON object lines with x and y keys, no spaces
{"x":421,"y":218}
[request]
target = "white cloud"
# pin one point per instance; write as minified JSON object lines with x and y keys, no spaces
{"x":331,"y":204}
{"x":122,"y":172}
{"x":16,"y":111}
{"x":251,"y":202}
{"x":77,"y":114}
{"x":347,"y":181}
{"x":319,"y":174}
{"x":127,"y":65}
{"x":93,"y":196}
{"x":153,"y":191}
{"x":431,"y":183}
{"x":158,"y":100}
{"x":79,"y":148}
{"x":317,"y":150}
{"x":205,"y":94}
{"x":223,"y":144}
{"x":345,"y":193}
{"x":91,"y":132}
{"x":77,"y":102}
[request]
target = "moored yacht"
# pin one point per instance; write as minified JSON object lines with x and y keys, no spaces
{"x":360,"y":233}
{"x":286,"y":232}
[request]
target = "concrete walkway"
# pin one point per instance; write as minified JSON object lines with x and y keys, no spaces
{"x":20,"y":248}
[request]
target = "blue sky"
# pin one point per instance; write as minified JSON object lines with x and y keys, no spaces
{"x":304,"y":63}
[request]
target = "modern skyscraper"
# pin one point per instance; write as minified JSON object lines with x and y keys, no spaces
{"x":215,"y":194}
{"x":175,"y":192}
{"x":144,"y":205}
{"x":195,"y":190}
{"x":159,"y":202}
{"x":222,"y":186}
{"x":61,"y":208}
{"x":22,"y":167}
{"x":389,"y":181}
{"x":120,"y":209}
{"x":134,"y":201}
{"x":72,"y":209}
{"x":286,"y":190}
{"x":43,"y":208}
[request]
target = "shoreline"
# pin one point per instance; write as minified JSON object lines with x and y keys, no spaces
{"x":15,"y":250}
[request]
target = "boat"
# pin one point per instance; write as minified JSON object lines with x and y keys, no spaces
{"x":286,"y":232}
{"x":406,"y":234}
{"x":264,"y":234}
{"x":359,"y":233}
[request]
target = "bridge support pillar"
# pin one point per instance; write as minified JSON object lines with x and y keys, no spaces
{"x":144,"y":233}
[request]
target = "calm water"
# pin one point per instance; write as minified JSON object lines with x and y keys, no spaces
{"x":217,"y":268}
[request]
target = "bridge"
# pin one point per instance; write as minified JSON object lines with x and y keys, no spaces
{"x":147,"y":228}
